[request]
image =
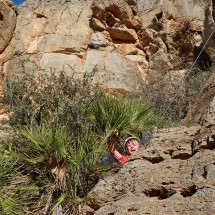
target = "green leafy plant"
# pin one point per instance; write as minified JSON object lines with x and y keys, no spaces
{"x":127,"y":116}
{"x":62,"y":128}
{"x":55,"y":146}
{"x":114,"y":113}
{"x":15,"y":187}
{"x":64,"y":168}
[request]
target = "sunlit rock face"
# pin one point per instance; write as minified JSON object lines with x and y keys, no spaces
{"x":7,"y":23}
{"x":173,"y":174}
{"x":120,"y":41}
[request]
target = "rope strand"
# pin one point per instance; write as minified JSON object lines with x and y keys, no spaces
{"x":187,"y":74}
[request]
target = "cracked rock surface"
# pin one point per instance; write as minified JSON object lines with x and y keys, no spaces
{"x":7,"y":22}
{"x":171,"y":178}
{"x":124,"y":41}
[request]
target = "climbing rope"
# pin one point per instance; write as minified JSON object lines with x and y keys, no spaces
{"x":187,"y":74}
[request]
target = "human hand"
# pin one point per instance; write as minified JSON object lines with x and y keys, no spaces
{"x":115,"y":134}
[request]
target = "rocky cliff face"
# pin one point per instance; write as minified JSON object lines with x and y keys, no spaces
{"x":123,"y":41}
{"x":7,"y":26}
{"x":7,"y":23}
{"x":174,"y":174}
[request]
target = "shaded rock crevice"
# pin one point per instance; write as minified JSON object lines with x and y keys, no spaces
{"x":190,"y":191}
{"x":160,"y":193}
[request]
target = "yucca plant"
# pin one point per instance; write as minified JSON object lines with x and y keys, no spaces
{"x":16,"y":189}
{"x":115,"y":113}
{"x":88,"y":151}
{"x":41,"y":153}
{"x":61,"y":163}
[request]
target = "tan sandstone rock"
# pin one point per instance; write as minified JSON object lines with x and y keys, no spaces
{"x":129,"y":49}
{"x":48,"y":37}
{"x":98,"y":40}
{"x":112,"y":70}
{"x":170,"y":178}
{"x":97,"y":25}
{"x":123,"y":34}
{"x":140,"y":60}
{"x":7,"y":23}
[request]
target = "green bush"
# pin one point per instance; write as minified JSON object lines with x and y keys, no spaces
{"x":57,"y":97}
{"x":55,"y":145}
{"x":114,"y":113}
{"x":62,"y":128}
{"x":173,"y":100}
{"x":16,"y":191}
{"x":59,"y":164}
{"x":130,"y":116}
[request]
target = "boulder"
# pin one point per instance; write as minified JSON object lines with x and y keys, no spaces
{"x":129,"y":49}
{"x":97,"y":25}
{"x":7,"y":22}
{"x":124,"y":34}
{"x":112,"y":11}
{"x":98,"y":40}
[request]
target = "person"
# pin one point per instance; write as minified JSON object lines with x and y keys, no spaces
{"x":131,"y":145}
{"x":114,"y":157}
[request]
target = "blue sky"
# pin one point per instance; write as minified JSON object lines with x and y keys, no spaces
{"x":17,"y":2}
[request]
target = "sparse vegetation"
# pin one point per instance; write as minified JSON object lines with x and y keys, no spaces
{"x":174,"y":99}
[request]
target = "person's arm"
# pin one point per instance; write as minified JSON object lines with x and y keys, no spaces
{"x":113,"y":150}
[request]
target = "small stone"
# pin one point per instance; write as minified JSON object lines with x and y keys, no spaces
{"x":98,"y":40}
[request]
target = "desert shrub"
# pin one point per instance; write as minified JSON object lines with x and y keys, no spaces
{"x":196,"y":81}
{"x":62,"y":128}
{"x":55,"y":146}
{"x":63,"y":167}
{"x":57,"y":97}
{"x":160,"y":93}
{"x":173,"y":100}
{"x":16,"y":191}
